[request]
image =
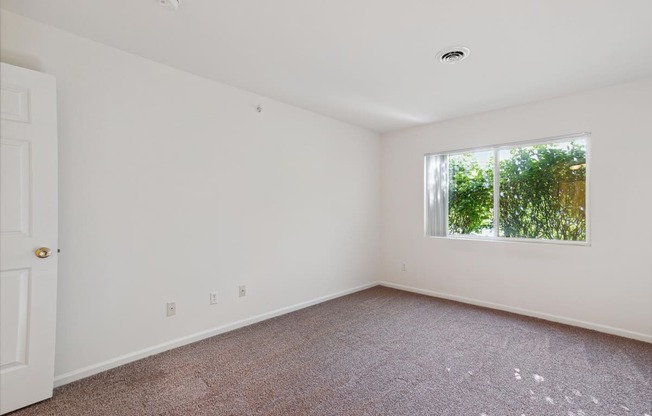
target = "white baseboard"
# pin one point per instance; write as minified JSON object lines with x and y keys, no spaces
{"x":548,"y":317}
{"x":90,"y":370}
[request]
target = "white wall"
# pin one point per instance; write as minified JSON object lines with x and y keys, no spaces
{"x":172,"y":186}
{"x":607,"y":286}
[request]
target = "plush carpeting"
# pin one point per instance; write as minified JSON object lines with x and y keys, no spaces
{"x":379,"y":352}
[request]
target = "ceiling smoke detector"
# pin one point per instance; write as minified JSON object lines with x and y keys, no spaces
{"x":170,"y":4}
{"x":453,"y":54}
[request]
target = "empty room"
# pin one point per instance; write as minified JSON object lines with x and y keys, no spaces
{"x":299,"y":207}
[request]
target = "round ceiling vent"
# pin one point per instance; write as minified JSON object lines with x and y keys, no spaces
{"x":453,"y":54}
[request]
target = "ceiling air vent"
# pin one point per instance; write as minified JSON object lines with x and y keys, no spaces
{"x":453,"y":55}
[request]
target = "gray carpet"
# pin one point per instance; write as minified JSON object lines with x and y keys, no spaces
{"x":379,"y":352}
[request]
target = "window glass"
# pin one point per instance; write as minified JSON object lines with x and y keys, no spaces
{"x":543,"y":191}
{"x":471,"y":193}
{"x":532,"y":191}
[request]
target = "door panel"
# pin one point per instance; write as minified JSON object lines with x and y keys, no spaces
{"x":14,"y":292}
{"x":14,"y":103}
{"x":28,"y":211}
{"x":14,"y":183}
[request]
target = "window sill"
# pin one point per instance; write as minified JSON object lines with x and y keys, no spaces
{"x":513,"y":240}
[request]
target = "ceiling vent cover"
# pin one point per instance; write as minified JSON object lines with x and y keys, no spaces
{"x":453,"y":54}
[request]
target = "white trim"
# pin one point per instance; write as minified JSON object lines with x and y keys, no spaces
{"x":489,"y":238}
{"x":496,"y":230}
{"x":510,"y":145}
{"x":541,"y":315}
{"x":90,"y":370}
{"x":496,"y":181}
{"x":587,"y":189}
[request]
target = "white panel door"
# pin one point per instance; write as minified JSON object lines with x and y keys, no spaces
{"x":28,"y":211}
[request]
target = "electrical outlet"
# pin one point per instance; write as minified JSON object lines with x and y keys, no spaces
{"x":214,"y":298}
{"x":242,"y":291}
{"x":172,"y":308}
{"x":403,"y":267}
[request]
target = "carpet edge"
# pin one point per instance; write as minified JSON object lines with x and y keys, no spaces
{"x":102,"y":366}
{"x":639,"y":336}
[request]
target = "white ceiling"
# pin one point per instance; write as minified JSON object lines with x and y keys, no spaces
{"x":372,"y":62}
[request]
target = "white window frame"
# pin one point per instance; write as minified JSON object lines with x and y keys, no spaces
{"x":496,"y":150}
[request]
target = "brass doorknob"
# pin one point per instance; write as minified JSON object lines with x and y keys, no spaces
{"x":43,"y":252}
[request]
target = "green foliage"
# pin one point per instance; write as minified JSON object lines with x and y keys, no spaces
{"x":542,"y":193}
{"x":470,"y":195}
